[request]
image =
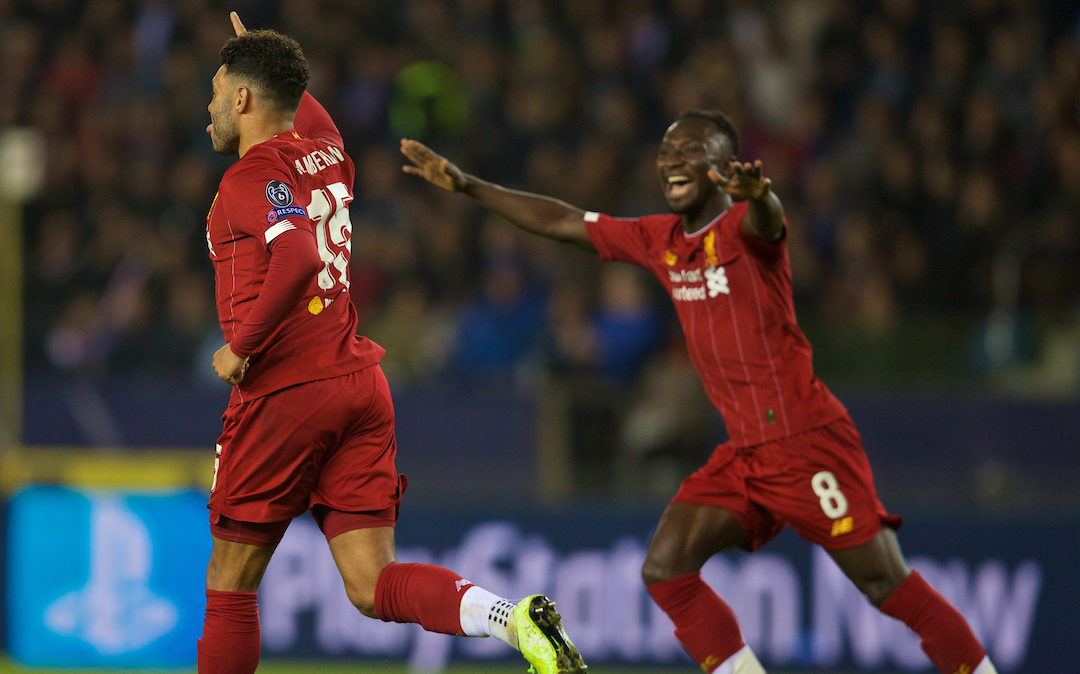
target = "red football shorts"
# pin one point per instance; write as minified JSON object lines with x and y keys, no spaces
{"x":819,"y":482}
{"x":327,"y":445}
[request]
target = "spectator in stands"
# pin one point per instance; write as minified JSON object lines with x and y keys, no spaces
{"x":914,"y":144}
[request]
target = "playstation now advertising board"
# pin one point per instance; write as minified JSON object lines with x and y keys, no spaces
{"x":99,"y":579}
{"x":1013,"y":580}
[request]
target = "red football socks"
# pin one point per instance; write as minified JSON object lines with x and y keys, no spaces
{"x":421,"y":593}
{"x":230,"y":640}
{"x":946,"y":636}
{"x":704,"y":624}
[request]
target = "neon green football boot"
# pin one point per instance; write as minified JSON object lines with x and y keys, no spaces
{"x":541,"y":638}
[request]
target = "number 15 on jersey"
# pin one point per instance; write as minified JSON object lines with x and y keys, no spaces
{"x":328,"y":210}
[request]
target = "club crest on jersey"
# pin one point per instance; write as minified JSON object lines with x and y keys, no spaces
{"x":278,"y":193}
{"x":284,"y":211}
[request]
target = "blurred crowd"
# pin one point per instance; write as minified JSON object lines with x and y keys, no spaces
{"x":928,"y":156}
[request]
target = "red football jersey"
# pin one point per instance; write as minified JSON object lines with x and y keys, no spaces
{"x":733,"y":295}
{"x":299,"y":179}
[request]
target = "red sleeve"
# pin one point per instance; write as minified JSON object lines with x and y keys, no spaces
{"x":313,"y":121}
{"x":756,"y":246}
{"x":294,"y":262}
{"x":761,"y":248}
{"x":622,"y":239}
{"x":262,"y":197}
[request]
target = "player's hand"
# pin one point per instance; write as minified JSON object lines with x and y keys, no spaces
{"x":745,"y":181}
{"x":432,"y":167}
{"x":237,"y":24}
{"x":229,"y":366}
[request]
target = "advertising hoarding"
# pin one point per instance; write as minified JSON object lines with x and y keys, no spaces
{"x":104,"y":579}
{"x":115,"y":579}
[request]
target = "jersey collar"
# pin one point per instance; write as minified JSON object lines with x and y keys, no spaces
{"x":712,"y":222}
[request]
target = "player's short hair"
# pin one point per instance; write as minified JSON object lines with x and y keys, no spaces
{"x":722,"y":122}
{"x":272,"y":63}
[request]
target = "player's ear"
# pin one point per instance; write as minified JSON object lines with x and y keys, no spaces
{"x":242,"y":102}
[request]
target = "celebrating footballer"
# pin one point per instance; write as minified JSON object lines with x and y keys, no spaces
{"x":310,"y":425}
{"x":794,"y":456}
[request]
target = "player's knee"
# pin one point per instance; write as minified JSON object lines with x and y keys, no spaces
{"x":877,"y":588}
{"x":658,"y":567}
{"x":363,"y":598}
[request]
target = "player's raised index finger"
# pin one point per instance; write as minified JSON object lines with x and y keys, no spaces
{"x":237,"y":24}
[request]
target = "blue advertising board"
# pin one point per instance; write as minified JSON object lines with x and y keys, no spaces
{"x":1014,"y":580}
{"x":104,"y":579}
{"x":107,"y":579}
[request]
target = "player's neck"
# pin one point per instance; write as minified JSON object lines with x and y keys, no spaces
{"x":259,"y":130}
{"x":695,"y":221}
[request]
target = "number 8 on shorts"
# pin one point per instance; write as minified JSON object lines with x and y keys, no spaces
{"x":832,"y":500}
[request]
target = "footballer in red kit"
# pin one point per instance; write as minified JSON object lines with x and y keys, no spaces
{"x":794,"y":457}
{"x":310,"y":424}
{"x":732,"y":293}
{"x":262,"y":205}
{"x":263,"y":197}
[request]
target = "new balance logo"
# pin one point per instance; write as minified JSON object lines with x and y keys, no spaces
{"x":461,"y":583}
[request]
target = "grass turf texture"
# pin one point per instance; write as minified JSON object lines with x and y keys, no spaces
{"x":275,"y":666}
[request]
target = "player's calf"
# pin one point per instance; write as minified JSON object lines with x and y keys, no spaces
{"x":230,"y":642}
{"x":946,"y":637}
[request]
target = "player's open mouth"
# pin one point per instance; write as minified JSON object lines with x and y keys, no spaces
{"x":678,"y":187}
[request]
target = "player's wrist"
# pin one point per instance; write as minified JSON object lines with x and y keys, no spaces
{"x":467,"y":184}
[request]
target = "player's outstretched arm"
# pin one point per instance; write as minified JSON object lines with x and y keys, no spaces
{"x":764,"y":218}
{"x":533,"y":213}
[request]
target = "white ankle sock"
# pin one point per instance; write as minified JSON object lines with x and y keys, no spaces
{"x":985,"y":667}
{"x":485,"y":614}
{"x":742,"y":662}
{"x":499,"y":618}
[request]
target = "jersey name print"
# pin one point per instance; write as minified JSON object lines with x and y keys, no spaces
{"x":266,"y":193}
{"x":732,"y":294}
